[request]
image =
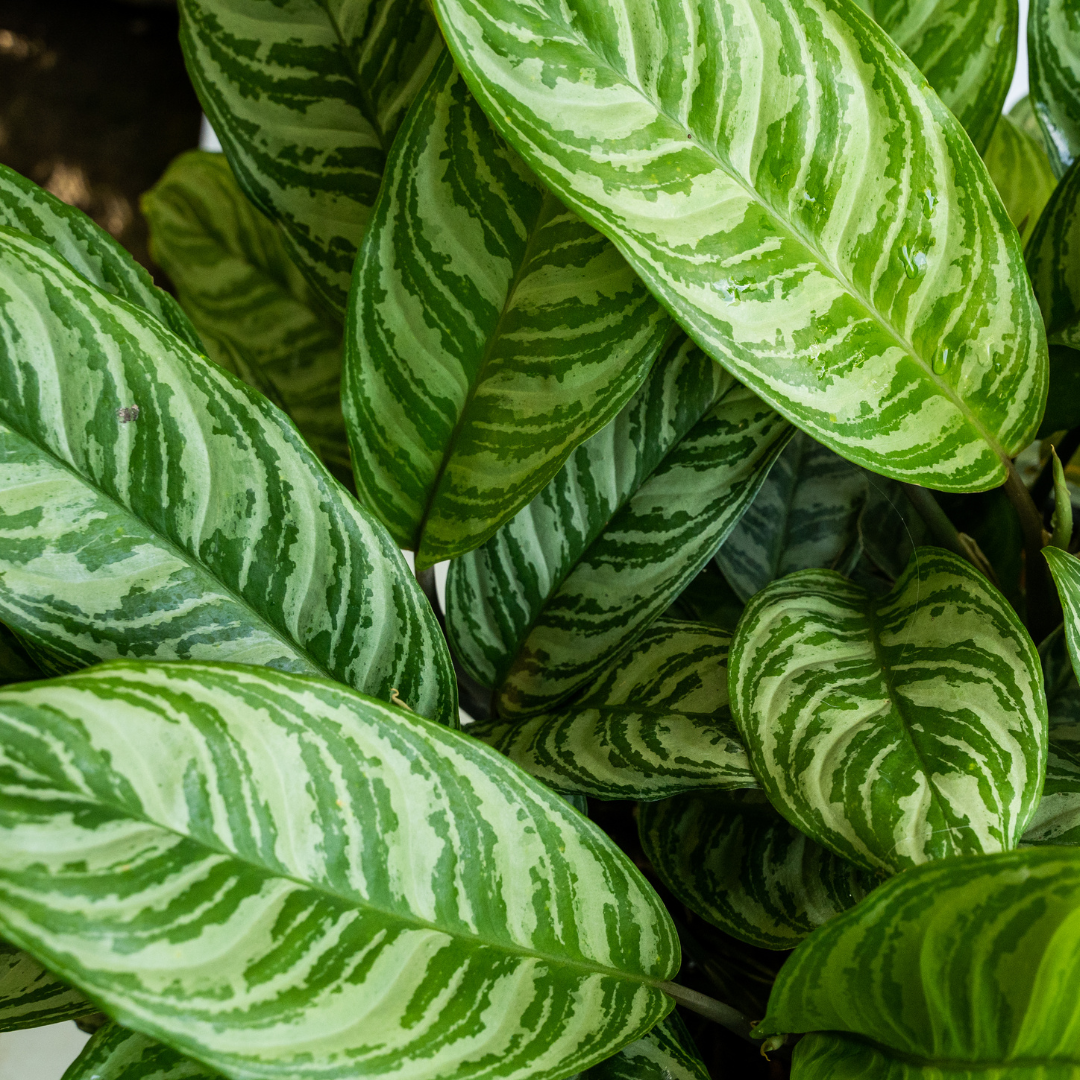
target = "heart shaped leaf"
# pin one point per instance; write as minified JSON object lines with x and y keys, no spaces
{"x":32,"y":997}
{"x":1053,"y":33}
{"x":114,"y":1053}
{"x":1021,"y":172}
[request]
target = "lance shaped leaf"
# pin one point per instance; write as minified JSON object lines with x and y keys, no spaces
{"x":561,"y":590}
{"x":306,"y":96}
{"x":1053,"y":261}
{"x":253,"y":308}
{"x":114,"y":1053}
{"x":1021,"y":172}
{"x":491,"y":331}
{"x":152,"y":505}
{"x":805,"y":515}
{"x":965,"y":968}
{"x":666,"y":1053}
{"x":733,"y":860}
{"x":32,"y":997}
{"x":898,"y":729}
{"x":281,"y":877}
{"x":783,"y":179}
{"x":1053,"y":35}
{"x":656,"y":724}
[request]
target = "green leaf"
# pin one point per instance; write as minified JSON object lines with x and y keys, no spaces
{"x":114,"y":1053}
{"x":733,"y":860}
{"x":16,"y":665}
{"x":283,"y":878}
{"x":665,"y":1053}
{"x":561,"y":590}
{"x":32,"y":997}
{"x":151,"y":505}
{"x":965,"y":968}
{"x":709,"y":598}
{"x":890,"y":528}
{"x":836,"y":242}
{"x":254,"y":309}
{"x":894,"y":730}
{"x":1053,"y":264}
{"x":1021,"y":172}
{"x":656,"y":724}
{"x":491,"y":332}
{"x":88,"y":249}
{"x":1063,"y":405}
{"x":1061,"y":524}
{"x":1054,"y":77}
{"x":805,"y":515}
{"x":1023,"y":115}
{"x":306,"y":96}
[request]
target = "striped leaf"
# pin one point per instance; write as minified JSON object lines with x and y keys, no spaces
{"x":151,"y":505}
{"x":1023,"y":115}
{"x":88,"y":249}
{"x":283,"y":878}
{"x":306,"y":96}
{"x":665,"y":1053}
{"x":561,"y":590}
{"x":114,"y":1053}
{"x":786,"y":183}
{"x":1053,"y":260}
{"x":1053,"y":34}
{"x":959,"y":969}
{"x":805,"y":515}
{"x":655,"y":725}
{"x":893,"y":730}
{"x":491,"y":332}
{"x":32,"y":997}
{"x":254,"y":309}
{"x":738,"y":864}
{"x":1021,"y":172}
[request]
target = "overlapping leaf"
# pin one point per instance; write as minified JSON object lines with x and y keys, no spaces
{"x":283,"y":878}
{"x":16,"y":665}
{"x":151,"y":505}
{"x":1054,"y":77}
{"x":114,"y":1053}
{"x":890,"y":528}
{"x":1021,"y":172}
{"x":561,"y":590}
{"x":32,"y":997}
{"x":1053,"y":261}
{"x":655,"y":725}
{"x":787,"y":184}
{"x":738,"y":864}
{"x":306,"y":96}
{"x":491,"y":332}
{"x":893,"y":730}
{"x":666,"y":1053}
{"x":253,"y":308}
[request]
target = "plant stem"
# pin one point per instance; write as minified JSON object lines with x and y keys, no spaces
{"x":1043,"y":607}
{"x":711,"y":1009}
{"x":941,"y":528}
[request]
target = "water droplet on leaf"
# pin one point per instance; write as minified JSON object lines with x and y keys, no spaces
{"x":941,"y":362}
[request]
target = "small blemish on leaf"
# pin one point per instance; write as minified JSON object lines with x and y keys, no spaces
{"x":128,"y":414}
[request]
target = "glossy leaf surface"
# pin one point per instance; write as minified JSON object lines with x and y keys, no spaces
{"x":32,"y":997}
{"x":1053,"y":260}
{"x":1054,"y":77}
{"x":114,"y":1053}
{"x":1022,"y":174}
{"x":491,"y":332}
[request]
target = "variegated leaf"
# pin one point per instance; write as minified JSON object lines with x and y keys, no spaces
{"x":805,"y":515}
{"x":1021,"y":172}
{"x":32,"y":997}
{"x":152,"y":505}
{"x":1053,"y":34}
{"x":655,"y":725}
{"x":666,"y":1053}
{"x":284,"y":878}
{"x":893,"y":730}
{"x":306,"y":96}
{"x":561,"y":590}
{"x":1054,"y":262}
{"x":1023,"y":115}
{"x":491,"y":331}
{"x":784,"y":180}
{"x":733,"y":860}
{"x":16,"y":664}
{"x":253,"y":308}
{"x":890,"y":528}
{"x":710,"y":599}
{"x":114,"y":1053}
{"x":960,"y":970}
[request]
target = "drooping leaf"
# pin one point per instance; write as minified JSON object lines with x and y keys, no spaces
{"x":1053,"y":261}
{"x":283,"y":878}
{"x":1022,"y":174}
{"x":254,"y":310}
{"x":1053,"y":34}
{"x":665,"y":1053}
{"x":114,"y":1053}
{"x":306,"y":96}
{"x":965,"y":968}
{"x":32,"y":997}
{"x":561,"y":590}
{"x":805,"y":515}
{"x":655,"y":725}
{"x":835,"y":242}
{"x":491,"y":332}
{"x":733,"y":860}
{"x":151,"y":505}
{"x":893,"y":730}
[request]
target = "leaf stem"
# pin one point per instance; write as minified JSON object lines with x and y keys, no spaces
{"x":711,"y":1009}
{"x":941,"y":528}
{"x":1043,"y":607}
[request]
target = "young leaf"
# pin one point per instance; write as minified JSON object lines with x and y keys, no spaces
{"x":306,"y":96}
{"x":32,"y":997}
{"x":114,"y":1053}
{"x":655,"y":725}
{"x":1054,"y":76}
{"x":254,"y":309}
{"x":1061,"y":523}
{"x":1021,"y":172}
{"x":561,"y":590}
{"x":1052,"y":262}
{"x":835,"y":242}
{"x":893,"y":730}
{"x":283,"y":878}
{"x":969,"y":964}
{"x":151,"y":505}
{"x":491,"y":331}
{"x":733,"y":860}
{"x":666,"y":1053}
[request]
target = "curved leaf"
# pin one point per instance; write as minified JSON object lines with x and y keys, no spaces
{"x":666,"y":1053}
{"x":970,"y":962}
{"x":253,"y":308}
{"x":835,"y":242}
{"x":733,"y":860}
{"x":306,"y":96}
{"x":561,"y":590}
{"x":16,"y":664}
{"x":491,"y":332}
{"x":151,"y":505}
{"x":657,"y":724}
{"x":283,"y":878}
{"x":114,"y":1053}
{"x":32,"y":997}
{"x":1053,"y":261}
{"x":893,"y":730}
{"x":1054,"y":77}
{"x":890,"y":528}
{"x":1021,"y":172}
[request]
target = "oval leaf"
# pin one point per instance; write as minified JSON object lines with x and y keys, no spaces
{"x":1053,"y":262}
{"x":893,"y":730}
{"x":281,"y":877}
{"x":32,"y":997}
{"x":1053,"y":33}
{"x":836,"y":243}
{"x":151,"y":505}
{"x":1021,"y":172}
{"x":114,"y":1053}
